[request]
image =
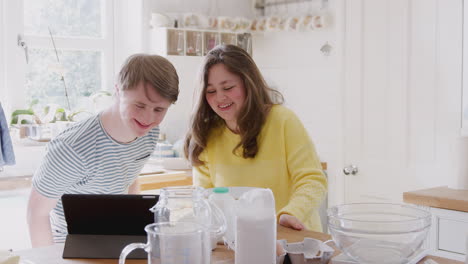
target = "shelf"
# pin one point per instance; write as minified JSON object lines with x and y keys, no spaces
{"x":194,"y":42}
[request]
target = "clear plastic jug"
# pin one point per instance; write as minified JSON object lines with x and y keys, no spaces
{"x":188,"y":203}
{"x":174,"y":243}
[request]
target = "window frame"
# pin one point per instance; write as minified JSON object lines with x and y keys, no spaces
{"x":15,"y":66}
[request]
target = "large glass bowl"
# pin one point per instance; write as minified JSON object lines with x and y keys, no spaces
{"x":378,"y":232}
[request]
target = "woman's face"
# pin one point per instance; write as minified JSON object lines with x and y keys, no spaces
{"x":225,"y":93}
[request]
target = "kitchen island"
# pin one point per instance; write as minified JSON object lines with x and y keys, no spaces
{"x":221,"y":254}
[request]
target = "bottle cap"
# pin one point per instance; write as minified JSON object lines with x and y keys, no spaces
{"x":221,"y":190}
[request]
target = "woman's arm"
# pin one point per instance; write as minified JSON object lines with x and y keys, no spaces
{"x":308,"y":181}
{"x":201,"y":176}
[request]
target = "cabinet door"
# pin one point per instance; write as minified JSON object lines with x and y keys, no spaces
{"x":449,"y":233}
{"x":453,"y":235}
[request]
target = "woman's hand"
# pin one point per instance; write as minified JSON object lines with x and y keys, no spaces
{"x":291,"y":222}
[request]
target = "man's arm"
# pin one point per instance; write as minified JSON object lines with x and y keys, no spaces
{"x":38,"y":220}
{"x":134,"y":188}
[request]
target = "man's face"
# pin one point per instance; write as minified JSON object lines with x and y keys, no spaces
{"x":141,"y":109}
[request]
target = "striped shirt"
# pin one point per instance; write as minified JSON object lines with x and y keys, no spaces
{"x":84,"y":159}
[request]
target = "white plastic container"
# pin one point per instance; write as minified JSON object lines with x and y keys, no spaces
{"x":255,"y":236}
{"x":224,"y":201}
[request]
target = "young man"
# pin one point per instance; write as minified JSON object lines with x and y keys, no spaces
{"x":105,"y":153}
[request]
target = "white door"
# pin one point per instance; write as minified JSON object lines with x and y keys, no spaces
{"x":402,"y":72}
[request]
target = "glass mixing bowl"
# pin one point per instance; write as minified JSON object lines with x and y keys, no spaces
{"x":378,"y":232}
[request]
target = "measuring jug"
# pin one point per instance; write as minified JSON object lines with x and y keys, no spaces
{"x":174,"y":243}
{"x":188,"y":203}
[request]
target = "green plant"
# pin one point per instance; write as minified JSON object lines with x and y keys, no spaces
{"x":15,"y":115}
{"x":49,"y":114}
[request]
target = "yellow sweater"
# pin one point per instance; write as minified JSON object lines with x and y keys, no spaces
{"x":286,"y":163}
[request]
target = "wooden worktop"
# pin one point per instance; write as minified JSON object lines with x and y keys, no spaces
{"x":439,"y":197}
{"x":53,"y":254}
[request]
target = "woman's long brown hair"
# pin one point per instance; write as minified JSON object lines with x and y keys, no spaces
{"x":258,"y":101}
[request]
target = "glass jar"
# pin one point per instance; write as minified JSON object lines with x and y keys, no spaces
{"x":188,"y":203}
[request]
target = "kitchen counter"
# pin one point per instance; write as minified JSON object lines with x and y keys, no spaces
{"x":151,"y":181}
{"x":449,"y":210}
{"x":221,"y":254}
{"x":151,"y":177}
{"x":439,"y":197}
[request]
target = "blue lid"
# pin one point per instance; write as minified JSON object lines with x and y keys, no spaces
{"x":221,"y":190}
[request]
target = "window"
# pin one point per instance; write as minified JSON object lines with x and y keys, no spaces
{"x":64,"y":51}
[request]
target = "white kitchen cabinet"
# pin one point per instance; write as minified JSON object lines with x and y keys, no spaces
{"x":194,"y":42}
{"x":449,"y":229}
{"x":448,"y":233}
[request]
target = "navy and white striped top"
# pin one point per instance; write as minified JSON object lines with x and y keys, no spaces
{"x":84,"y":159}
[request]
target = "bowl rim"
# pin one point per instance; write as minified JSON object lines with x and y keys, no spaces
{"x":425,"y":214}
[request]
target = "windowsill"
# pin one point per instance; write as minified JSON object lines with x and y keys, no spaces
{"x":15,"y":172}
{"x":28,"y":155}
{"x":26,"y":142}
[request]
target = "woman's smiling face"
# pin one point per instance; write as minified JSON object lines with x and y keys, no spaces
{"x":225,"y":93}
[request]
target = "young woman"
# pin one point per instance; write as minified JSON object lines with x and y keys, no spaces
{"x":240,"y":135}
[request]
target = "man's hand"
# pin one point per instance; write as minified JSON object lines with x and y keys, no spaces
{"x":291,"y":222}
{"x":134,"y":188}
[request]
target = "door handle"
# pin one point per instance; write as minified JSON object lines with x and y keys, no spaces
{"x":351,"y":169}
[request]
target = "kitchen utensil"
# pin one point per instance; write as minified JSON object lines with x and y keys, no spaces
{"x":174,"y":242}
{"x":188,"y":203}
{"x":378,"y":232}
